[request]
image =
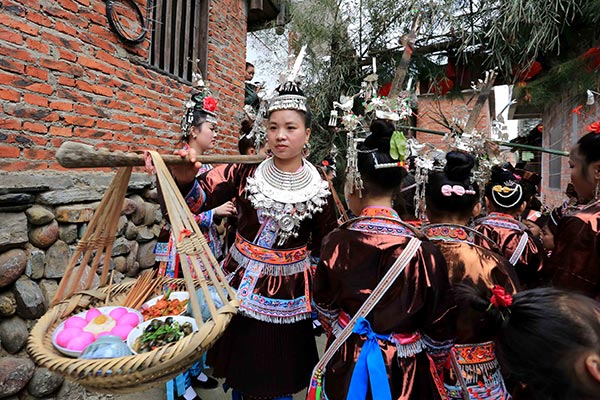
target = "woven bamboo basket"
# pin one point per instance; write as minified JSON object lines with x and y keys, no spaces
{"x":141,"y":371}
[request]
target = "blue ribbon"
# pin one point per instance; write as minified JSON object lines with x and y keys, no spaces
{"x":370,"y":367}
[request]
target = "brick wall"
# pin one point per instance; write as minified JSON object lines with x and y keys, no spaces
{"x":64,"y":75}
{"x":570,"y":126}
{"x":430,"y":106}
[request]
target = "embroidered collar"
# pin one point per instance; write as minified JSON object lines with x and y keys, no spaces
{"x":375,"y":211}
{"x":500,"y":215}
{"x":287,"y":198}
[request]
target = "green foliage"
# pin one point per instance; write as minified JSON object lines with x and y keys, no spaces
{"x":343,"y":35}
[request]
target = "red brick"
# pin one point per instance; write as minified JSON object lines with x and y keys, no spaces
{"x":64,"y":28}
{"x":27,"y":112}
{"x":16,"y":53}
{"x":73,"y":95}
{"x":38,"y":140}
{"x":94,"y":64}
{"x":145,"y":111}
{"x":79,"y":120}
{"x":84,"y":2}
{"x":111,"y":82}
{"x":60,"y":131}
{"x":145,"y":93}
{"x":134,"y":119}
{"x":12,"y":66}
{"x":13,"y":8}
{"x":9,"y":152}
{"x":115,"y":105}
{"x":69,"y":5}
{"x":10,"y":36}
{"x":83,"y":85}
{"x":92,"y":133}
{"x":63,"y":41}
{"x":157,"y":142}
{"x":67,"y":55}
{"x":9,"y":79}
{"x":22,"y":165}
{"x":120,"y":137}
{"x":95,"y":41}
{"x":103,"y":90}
{"x":149,"y":122}
{"x":95,"y":17}
{"x":33,"y":4}
{"x":35,"y":127}
{"x":35,"y":100}
{"x":111,"y":125}
{"x":10,"y":95}
{"x":62,"y":66}
{"x":142,"y":131}
{"x":90,"y":110}
{"x":57,"y":142}
{"x":39,"y":154}
{"x":59,"y":12}
{"x":36,"y":72}
{"x":129,"y":98}
{"x":20,"y":24}
{"x":61,"y":105}
{"x":104,"y":56}
{"x":10,"y":123}
{"x":63,"y":80}
{"x":41,"y":88}
{"x":39,"y":19}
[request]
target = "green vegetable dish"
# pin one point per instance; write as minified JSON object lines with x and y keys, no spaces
{"x":159,"y":333}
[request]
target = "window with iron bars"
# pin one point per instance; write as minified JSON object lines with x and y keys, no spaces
{"x":179,"y":37}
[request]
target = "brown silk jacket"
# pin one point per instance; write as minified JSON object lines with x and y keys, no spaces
{"x":506,"y":232}
{"x":353,"y":260}
{"x":575,"y":261}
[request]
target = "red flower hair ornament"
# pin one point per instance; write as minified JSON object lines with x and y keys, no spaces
{"x":595,"y":127}
{"x":500,"y":300}
{"x":209,"y":104}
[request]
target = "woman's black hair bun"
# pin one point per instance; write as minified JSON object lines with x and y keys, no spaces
{"x":381,"y":134}
{"x":246,"y":127}
{"x":501,"y":176}
{"x":459,"y":166}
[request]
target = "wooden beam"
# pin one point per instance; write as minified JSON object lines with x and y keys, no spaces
{"x":79,"y":155}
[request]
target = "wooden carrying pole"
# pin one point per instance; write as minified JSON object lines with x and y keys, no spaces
{"x":79,"y":155}
{"x":499,"y":142}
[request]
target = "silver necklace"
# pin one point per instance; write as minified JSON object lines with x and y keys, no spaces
{"x":287,"y":197}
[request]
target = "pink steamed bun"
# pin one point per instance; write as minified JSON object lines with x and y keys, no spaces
{"x":117,"y":313}
{"x":122,"y":331}
{"x":75,"y":322}
{"x":66,"y":335}
{"x":81,"y":341}
{"x":131,"y":319}
{"x":91,"y":314}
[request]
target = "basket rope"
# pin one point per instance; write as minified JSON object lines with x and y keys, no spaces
{"x":141,"y":371}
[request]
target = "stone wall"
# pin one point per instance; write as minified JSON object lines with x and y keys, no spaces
{"x":42,"y":217}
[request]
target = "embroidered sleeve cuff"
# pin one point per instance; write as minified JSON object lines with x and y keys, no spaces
{"x":204,"y":219}
{"x":195,"y":198}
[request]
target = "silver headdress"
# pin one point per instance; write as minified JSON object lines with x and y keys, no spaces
{"x":202,"y":100}
{"x":290,"y":100}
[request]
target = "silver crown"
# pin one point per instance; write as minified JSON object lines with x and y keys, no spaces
{"x":288,"y":102}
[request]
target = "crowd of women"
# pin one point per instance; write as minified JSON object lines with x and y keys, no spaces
{"x":461,"y":307}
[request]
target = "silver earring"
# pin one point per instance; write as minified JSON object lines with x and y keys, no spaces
{"x":597,"y":191}
{"x":306,"y":150}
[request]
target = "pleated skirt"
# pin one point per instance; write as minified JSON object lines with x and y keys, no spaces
{"x":263,"y":359}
